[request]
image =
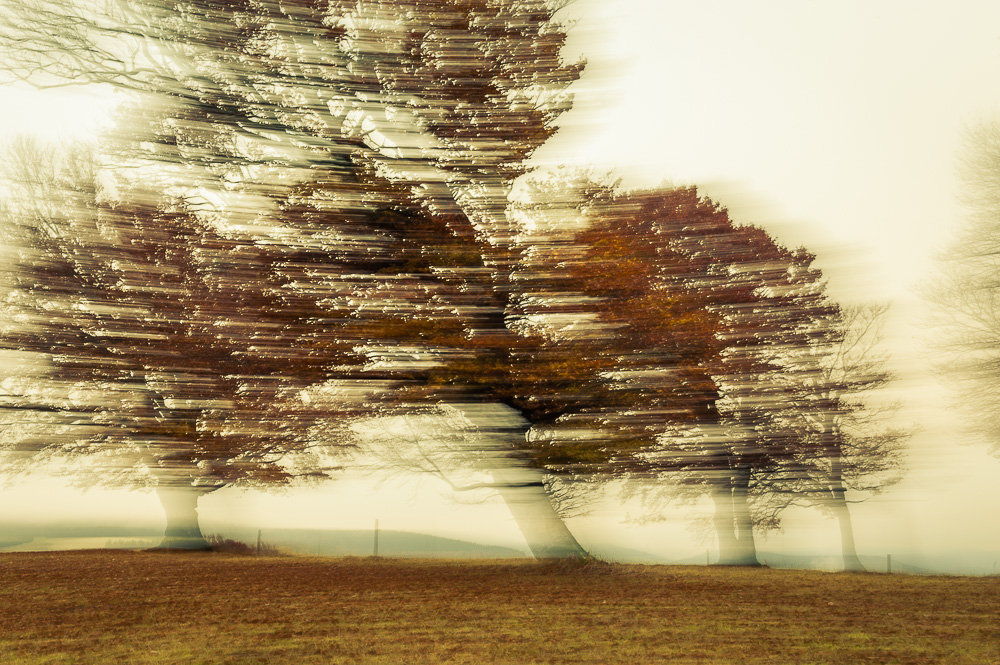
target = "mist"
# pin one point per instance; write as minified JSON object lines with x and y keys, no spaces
{"x":809,"y":128}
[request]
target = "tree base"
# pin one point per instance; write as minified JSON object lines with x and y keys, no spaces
{"x":568,"y":553}
{"x":743,"y":563}
{"x":854,"y":567}
{"x":184,"y":544}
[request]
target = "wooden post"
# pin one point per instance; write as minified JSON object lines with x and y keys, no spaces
{"x":888,"y":563}
{"x":376,"y":538}
{"x":258,"y":542}
{"x":708,"y":559}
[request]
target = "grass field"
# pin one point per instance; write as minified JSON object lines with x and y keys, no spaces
{"x":147,"y":607}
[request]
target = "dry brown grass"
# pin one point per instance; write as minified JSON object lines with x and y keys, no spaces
{"x":208,"y":608}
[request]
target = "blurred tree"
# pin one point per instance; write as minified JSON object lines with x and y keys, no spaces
{"x":588,"y":355}
{"x":451,"y":96}
{"x":722,"y":311}
{"x":177,"y":354}
{"x":275,"y":119}
{"x":461,"y":345}
{"x":965,"y":295}
{"x":847,"y":444}
{"x":448,"y":99}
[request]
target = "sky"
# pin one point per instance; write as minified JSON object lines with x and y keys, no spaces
{"x":834,"y":125}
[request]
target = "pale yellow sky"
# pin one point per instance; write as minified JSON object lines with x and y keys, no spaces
{"x":832,"y":123}
{"x":58,"y":113}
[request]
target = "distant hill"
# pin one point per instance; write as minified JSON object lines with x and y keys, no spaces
{"x":614,"y":554}
{"x":8,"y":541}
{"x":362,"y":543}
{"x":78,"y":530}
{"x":136,"y":535}
{"x":55,"y":536}
{"x":834,"y":562}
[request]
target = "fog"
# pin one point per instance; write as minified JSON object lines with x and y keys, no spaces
{"x":834,"y":128}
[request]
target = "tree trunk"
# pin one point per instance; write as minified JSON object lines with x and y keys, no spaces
{"x":181,"y":507}
{"x":744,"y":522}
{"x":725,"y":524}
{"x":543,"y":529}
{"x":851,"y":561}
{"x":733,"y":523}
{"x":501,"y":432}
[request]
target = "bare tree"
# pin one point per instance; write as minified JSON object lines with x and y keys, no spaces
{"x":848,"y":442}
{"x":966,"y":295}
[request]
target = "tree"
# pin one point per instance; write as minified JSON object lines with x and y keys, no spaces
{"x":965,"y":297}
{"x":273,"y":107}
{"x":515,"y":345}
{"x":847,"y":446}
{"x":463,"y":347}
{"x":179,"y":354}
{"x":722,"y":310}
{"x":449,"y":98}
{"x":773,"y":373}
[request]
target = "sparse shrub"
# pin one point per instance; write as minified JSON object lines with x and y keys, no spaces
{"x":266,"y":549}
{"x":588,"y":566}
{"x":230,"y":546}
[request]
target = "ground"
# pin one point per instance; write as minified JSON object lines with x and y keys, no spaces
{"x":208,"y":608}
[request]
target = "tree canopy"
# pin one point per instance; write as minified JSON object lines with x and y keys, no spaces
{"x":742,"y":375}
{"x":307,"y":171}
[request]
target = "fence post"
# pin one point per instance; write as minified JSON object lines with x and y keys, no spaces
{"x":888,"y":563}
{"x":257,"y":552}
{"x":376,"y":538}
